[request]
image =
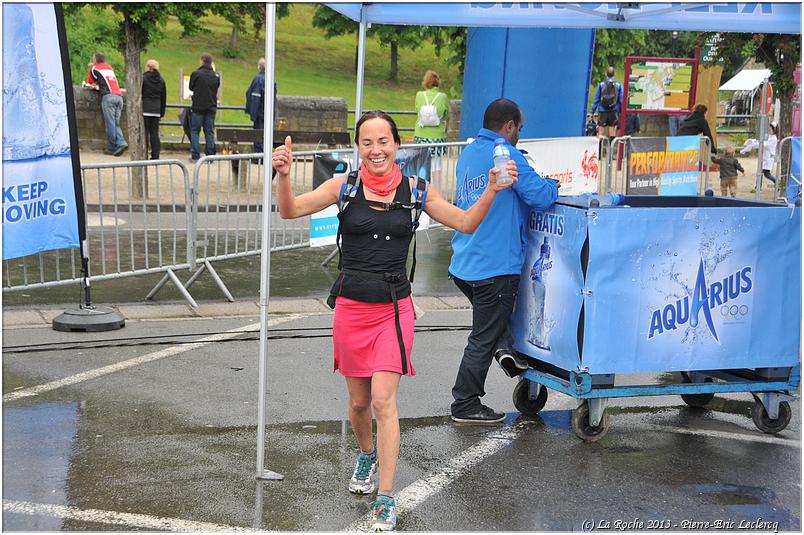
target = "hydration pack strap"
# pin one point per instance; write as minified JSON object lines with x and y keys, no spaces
{"x":348,"y":191}
{"x":418,"y":196}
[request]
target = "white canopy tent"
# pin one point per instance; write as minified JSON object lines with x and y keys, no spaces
{"x":746,"y":80}
{"x":727,"y":17}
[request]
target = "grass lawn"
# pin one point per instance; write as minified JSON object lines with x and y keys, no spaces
{"x":306,"y":64}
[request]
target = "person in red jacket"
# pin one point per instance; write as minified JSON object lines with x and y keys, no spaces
{"x":101,"y":78}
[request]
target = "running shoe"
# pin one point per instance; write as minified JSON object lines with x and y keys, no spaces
{"x":384,"y":514}
{"x":362,"y":481}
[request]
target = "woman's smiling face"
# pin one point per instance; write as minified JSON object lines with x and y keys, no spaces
{"x":377,"y":146}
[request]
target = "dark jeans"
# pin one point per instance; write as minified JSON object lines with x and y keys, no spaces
{"x":492,"y":304}
{"x":206,"y":120}
{"x":767,"y":174}
{"x":152,"y":135}
{"x":258,"y":124}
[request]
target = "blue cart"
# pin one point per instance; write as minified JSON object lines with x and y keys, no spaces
{"x":704,"y":286}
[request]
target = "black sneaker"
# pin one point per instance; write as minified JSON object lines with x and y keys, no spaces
{"x":486,"y":415}
{"x":120,"y":150}
{"x":511,"y":363}
{"x":108,"y":152}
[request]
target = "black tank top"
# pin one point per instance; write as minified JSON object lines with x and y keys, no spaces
{"x":374,"y":246}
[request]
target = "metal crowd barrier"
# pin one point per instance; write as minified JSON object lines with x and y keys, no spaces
{"x":137,"y":220}
{"x":150,"y":217}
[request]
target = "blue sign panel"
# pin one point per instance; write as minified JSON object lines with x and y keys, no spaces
{"x":548,"y":306}
{"x":674,"y":289}
{"x":39,"y":198}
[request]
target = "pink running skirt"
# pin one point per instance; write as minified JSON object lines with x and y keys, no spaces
{"x":365,"y":340}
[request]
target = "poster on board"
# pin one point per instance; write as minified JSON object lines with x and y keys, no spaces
{"x":663,"y":165}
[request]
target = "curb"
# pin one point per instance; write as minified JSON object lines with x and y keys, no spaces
{"x":32,"y":317}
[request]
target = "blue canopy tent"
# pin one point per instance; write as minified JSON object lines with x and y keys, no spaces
{"x":725,"y":17}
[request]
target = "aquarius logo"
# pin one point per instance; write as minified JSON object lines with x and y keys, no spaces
{"x":705,"y":297}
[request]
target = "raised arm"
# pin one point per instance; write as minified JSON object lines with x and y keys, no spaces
{"x":290,"y":205}
{"x":467,"y":221}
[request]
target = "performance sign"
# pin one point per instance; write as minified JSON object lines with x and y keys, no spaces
{"x":40,"y":198}
{"x":663,"y":166}
{"x":574,"y":162}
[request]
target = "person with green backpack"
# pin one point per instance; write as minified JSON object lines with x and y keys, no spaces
{"x":432,"y":109}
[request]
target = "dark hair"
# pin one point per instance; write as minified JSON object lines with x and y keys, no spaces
{"x":700,"y":107}
{"x":206,"y":59}
{"x":99,"y":58}
{"x":610,"y":72}
{"x":377,"y":114}
{"x":500,"y":112}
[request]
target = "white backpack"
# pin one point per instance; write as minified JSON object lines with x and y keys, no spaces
{"x":428,"y":114}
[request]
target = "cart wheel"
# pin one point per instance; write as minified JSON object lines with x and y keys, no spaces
{"x":767,"y":425}
{"x":525,"y":405}
{"x":697,"y":400}
{"x":584,"y":431}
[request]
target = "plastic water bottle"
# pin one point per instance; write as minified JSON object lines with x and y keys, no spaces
{"x":593,"y":200}
{"x":501,"y":157}
{"x":538,"y":336}
{"x":25,"y":130}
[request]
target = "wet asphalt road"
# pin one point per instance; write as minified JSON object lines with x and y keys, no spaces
{"x":171,"y":444}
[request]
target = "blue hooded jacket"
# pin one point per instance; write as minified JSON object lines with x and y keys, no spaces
{"x":497,"y":247}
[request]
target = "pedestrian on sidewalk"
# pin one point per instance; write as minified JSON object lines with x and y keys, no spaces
{"x":154,"y":102}
{"x":102,"y":79}
{"x":204,"y":83}
{"x":372,"y":330}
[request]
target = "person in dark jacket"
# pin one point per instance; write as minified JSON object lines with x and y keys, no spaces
{"x":154,"y":100}
{"x":695,"y":123}
{"x":204,"y":83}
{"x":255,"y":100}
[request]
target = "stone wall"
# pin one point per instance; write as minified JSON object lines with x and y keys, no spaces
{"x":454,"y":120}
{"x":91,"y":128}
{"x":306,"y":114}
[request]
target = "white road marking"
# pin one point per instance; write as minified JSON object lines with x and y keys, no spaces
{"x":709,"y":433}
{"x":148,"y":522}
{"x":418,"y":491}
{"x":150,"y":357}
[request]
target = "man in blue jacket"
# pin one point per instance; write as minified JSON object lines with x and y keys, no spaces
{"x":486,"y":265}
{"x":609,"y":97}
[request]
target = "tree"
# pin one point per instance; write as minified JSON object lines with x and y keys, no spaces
{"x":238,"y":14}
{"x":780,"y":54}
{"x":395,"y":36}
{"x":451,"y":39}
{"x":138,"y":25}
{"x":334,"y":24}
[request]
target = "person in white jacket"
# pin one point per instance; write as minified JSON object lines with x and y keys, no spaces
{"x":769,"y":152}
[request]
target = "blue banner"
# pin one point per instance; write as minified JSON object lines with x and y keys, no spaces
{"x":794,"y":182}
{"x":676,"y":289}
{"x":750,"y":17}
{"x":39,"y":196}
{"x":545,"y":321}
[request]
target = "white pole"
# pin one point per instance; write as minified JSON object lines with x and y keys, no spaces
{"x":265,"y":256}
{"x":361,"y":67}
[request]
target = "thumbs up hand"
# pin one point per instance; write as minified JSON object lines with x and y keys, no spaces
{"x":283,"y":157}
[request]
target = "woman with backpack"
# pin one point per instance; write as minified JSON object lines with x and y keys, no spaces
{"x":154,"y":100}
{"x":372,"y":331}
{"x":432,"y":109}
